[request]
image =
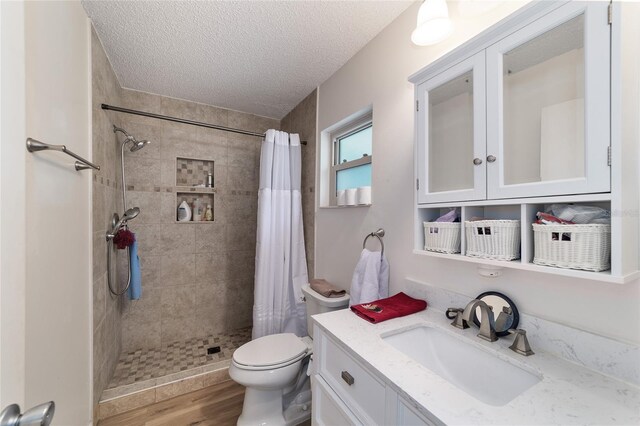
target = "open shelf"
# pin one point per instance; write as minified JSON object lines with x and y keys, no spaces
{"x":192,"y":171}
{"x":191,"y":178}
{"x":524,"y":210}
{"x":190,"y":197}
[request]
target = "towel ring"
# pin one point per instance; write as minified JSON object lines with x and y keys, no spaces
{"x":378,"y":234}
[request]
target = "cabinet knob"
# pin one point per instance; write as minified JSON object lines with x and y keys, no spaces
{"x":477,"y":161}
{"x":347,"y":378}
{"x":491,"y":158}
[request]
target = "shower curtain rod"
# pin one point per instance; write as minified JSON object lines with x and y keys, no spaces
{"x":183,"y":121}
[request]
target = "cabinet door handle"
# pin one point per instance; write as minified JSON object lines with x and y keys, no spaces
{"x":491,"y":158}
{"x":477,"y":161}
{"x":348,"y":378}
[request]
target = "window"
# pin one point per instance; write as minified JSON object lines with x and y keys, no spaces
{"x":351,"y":157}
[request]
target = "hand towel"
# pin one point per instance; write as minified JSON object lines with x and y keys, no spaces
{"x":370,"y":278}
{"x":135,"y":286}
{"x":396,"y":306}
{"x":325,"y":288}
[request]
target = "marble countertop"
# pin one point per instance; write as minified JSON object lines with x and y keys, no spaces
{"x":567,"y":394}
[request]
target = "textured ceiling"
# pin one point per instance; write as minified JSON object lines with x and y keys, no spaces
{"x":261,"y":57}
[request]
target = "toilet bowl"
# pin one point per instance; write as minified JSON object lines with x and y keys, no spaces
{"x":273,"y":370}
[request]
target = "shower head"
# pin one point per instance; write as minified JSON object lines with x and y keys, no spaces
{"x":131,"y":213}
{"x":137,"y":145}
{"x":127,"y":216}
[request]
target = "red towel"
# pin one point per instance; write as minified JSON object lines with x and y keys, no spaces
{"x":391,"y":307}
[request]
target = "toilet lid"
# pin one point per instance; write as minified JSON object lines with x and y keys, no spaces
{"x":270,"y":350}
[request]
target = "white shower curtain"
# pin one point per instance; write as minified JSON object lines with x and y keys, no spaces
{"x":281,"y":265}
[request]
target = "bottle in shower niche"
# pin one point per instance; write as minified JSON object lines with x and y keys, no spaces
{"x":184,"y":212}
{"x":208,"y":215}
{"x":197,"y":210}
{"x":210,"y":180}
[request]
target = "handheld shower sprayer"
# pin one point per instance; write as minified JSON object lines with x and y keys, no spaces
{"x":118,"y":223}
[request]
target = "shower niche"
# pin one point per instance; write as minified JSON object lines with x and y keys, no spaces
{"x":195,"y":185}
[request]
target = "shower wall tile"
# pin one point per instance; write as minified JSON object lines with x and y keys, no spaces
{"x":147,"y":308}
{"x":243,"y":178}
{"x":107,"y":323}
{"x":302,"y":120}
{"x":164,"y":239}
{"x":177,"y":302}
{"x":99,"y":255}
{"x":211,"y":319}
{"x":211,"y":150}
{"x":212,"y":240}
{"x":174,"y":329}
{"x":242,"y":209}
{"x":149,"y":203}
{"x":253,"y":123}
{"x":99,"y":301}
{"x":241,"y":237}
{"x":141,"y":101}
{"x":179,"y":109}
{"x":137,"y":335}
{"x":244,"y":152}
{"x":197,"y":278}
{"x":213,"y":115}
{"x":157,"y":148}
{"x":241,"y":264}
{"x":177,"y":270}
{"x":143,"y":171}
{"x":211,"y":271}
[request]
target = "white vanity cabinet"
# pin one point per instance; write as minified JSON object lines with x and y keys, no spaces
{"x":526,"y":116}
{"x":345,"y":392}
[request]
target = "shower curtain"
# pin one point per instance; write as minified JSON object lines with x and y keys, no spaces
{"x":281,"y":265}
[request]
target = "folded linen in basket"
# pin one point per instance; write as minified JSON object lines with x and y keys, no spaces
{"x":325,"y":288}
{"x":396,"y":306}
{"x":451,"y":216}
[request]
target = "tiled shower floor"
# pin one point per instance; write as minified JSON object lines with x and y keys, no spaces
{"x":149,"y":367}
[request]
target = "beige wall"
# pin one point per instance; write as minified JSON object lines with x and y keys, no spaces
{"x":58,"y":211}
{"x":302,"y":120}
{"x":377,"y":75}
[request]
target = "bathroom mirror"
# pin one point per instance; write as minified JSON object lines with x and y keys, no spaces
{"x":505,"y":313}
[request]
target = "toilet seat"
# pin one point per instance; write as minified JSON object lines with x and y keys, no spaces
{"x":270,"y":352}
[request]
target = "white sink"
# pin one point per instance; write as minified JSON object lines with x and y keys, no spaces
{"x":475,"y":371}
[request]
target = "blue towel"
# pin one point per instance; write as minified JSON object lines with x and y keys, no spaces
{"x":135,"y":288}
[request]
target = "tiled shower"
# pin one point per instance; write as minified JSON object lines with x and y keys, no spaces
{"x":197,"y":277}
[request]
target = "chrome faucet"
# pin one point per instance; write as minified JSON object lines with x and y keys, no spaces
{"x":487,"y":324}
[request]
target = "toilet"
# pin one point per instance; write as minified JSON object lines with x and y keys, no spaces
{"x":274,"y":370}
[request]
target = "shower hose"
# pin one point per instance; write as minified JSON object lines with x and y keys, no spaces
{"x":109,"y":250}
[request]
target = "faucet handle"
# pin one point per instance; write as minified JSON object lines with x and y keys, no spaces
{"x":520,"y":344}
{"x":458,"y":322}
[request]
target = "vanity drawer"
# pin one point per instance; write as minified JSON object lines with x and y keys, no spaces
{"x":328,"y":408}
{"x":358,"y":388}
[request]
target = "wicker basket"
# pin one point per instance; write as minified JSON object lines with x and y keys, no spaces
{"x":493,"y":239}
{"x":586,"y":247}
{"x":443,"y":237}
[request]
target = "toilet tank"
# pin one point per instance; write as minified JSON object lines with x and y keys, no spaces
{"x":318,"y":304}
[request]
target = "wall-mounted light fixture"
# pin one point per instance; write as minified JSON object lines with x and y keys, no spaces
{"x":433,"y":25}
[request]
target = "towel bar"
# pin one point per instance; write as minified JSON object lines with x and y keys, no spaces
{"x":82,"y":164}
{"x":378,"y":234}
